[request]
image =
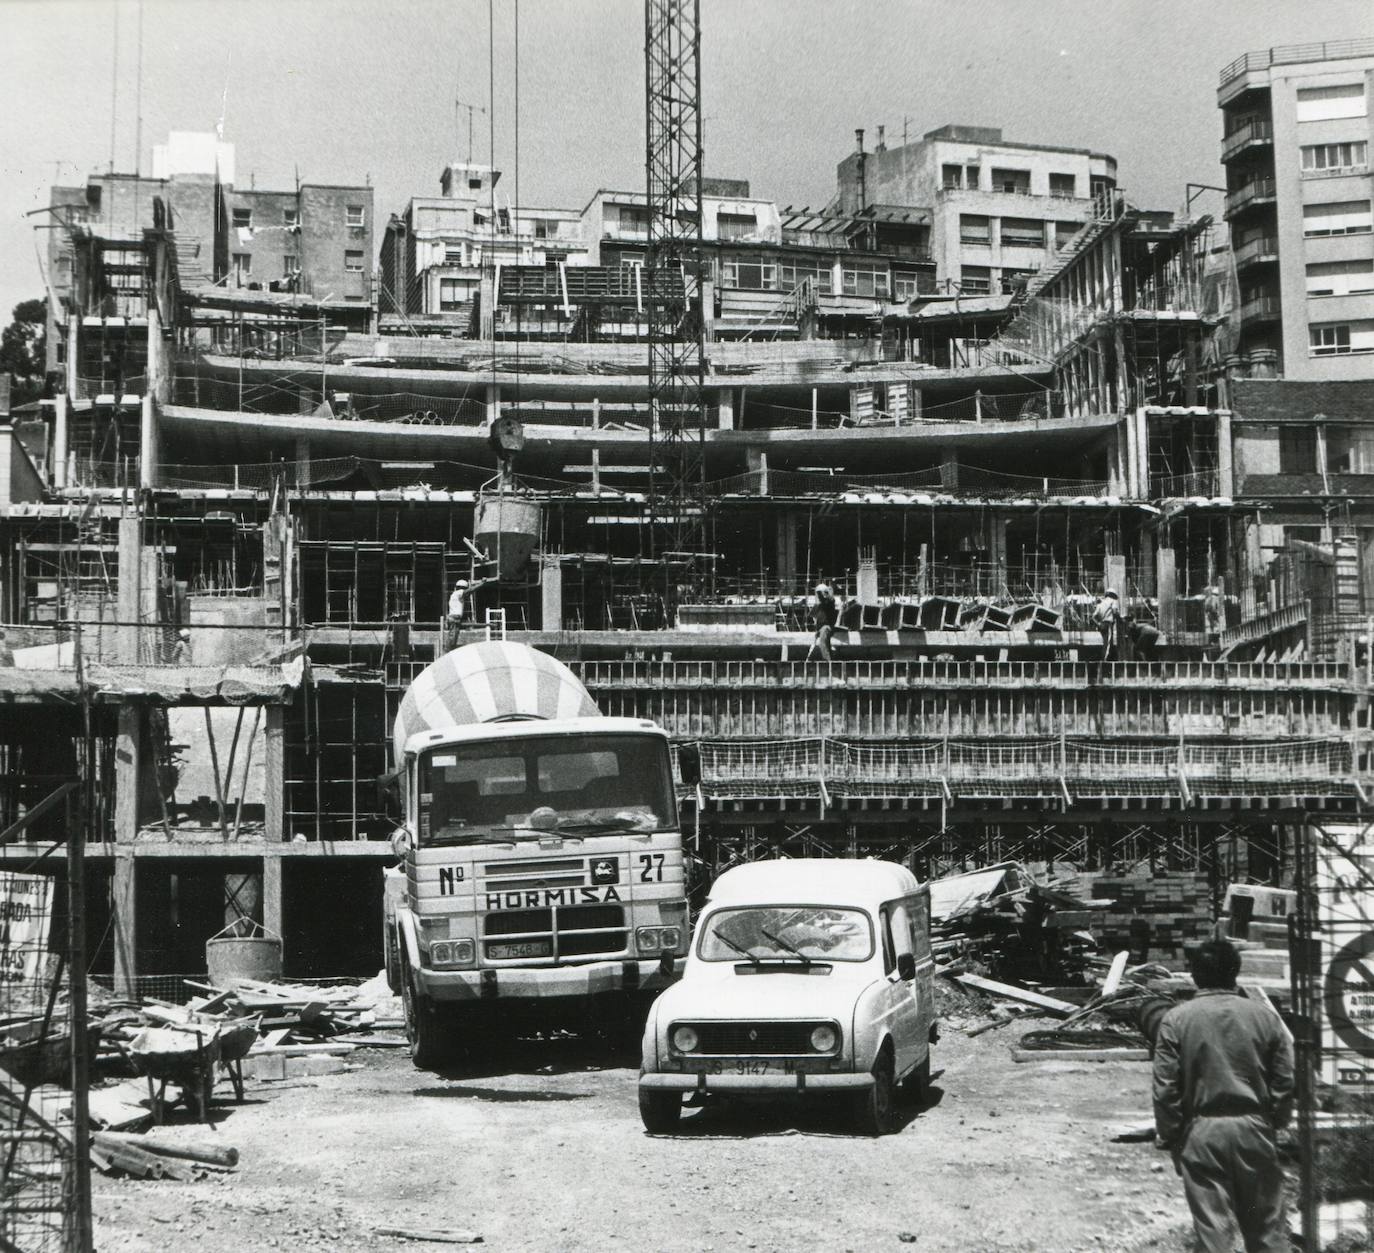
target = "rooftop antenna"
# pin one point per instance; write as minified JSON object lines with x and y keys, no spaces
{"x":471,"y":108}
{"x":224,"y":98}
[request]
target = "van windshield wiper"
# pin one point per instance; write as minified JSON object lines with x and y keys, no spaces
{"x":739,"y":948}
{"x":783,"y":944}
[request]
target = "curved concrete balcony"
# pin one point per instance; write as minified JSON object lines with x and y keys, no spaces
{"x":1259,"y":191}
{"x":1262,"y":251}
{"x":1256,"y":133}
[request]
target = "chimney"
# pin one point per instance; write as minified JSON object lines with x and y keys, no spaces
{"x":859,"y":138}
{"x":863,"y":162}
{"x":882,"y":139}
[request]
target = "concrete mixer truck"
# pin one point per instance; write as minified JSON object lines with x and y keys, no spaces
{"x":541,"y":874}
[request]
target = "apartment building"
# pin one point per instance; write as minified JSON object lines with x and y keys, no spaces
{"x":1297,"y":132}
{"x":998,"y":209}
{"x":434,"y":251}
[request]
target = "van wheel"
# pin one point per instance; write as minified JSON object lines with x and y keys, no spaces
{"x":659,"y":1111}
{"x":873,"y":1107}
{"x":916,"y":1086}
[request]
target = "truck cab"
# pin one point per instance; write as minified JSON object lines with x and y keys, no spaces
{"x":541,"y":873}
{"x":804,"y":976}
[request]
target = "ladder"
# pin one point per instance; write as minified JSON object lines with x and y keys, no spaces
{"x":496,"y":624}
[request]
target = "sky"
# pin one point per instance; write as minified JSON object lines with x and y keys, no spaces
{"x":363,"y":90}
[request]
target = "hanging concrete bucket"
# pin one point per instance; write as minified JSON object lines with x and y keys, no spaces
{"x":243,"y":950}
{"x":506,"y":526}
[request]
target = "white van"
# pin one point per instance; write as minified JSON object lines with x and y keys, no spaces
{"x":812,"y":975}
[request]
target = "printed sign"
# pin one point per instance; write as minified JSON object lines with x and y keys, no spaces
{"x":25,"y":917}
{"x":1345,"y":895}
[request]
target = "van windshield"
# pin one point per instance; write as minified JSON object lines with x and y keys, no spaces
{"x":560,"y":784}
{"x":786,"y":933}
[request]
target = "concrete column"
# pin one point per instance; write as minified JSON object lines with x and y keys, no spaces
{"x":866,"y":582}
{"x":917,"y":403}
{"x":551,"y":592}
{"x":1226,"y":485}
{"x":124,"y":926}
{"x":725,"y":408}
{"x":786,"y":551}
{"x":1347,"y":550}
{"x":1114,"y":574}
{"x":493,"y":402}
{"x":147,"y":443}
{"x":273,"y":915}
{"x":130,"y":588}
{"x":60,"y":439}
{"x":997,"y":539}
{"x":302,"y":459}
{"x":756,"y":462}
{"x":73,"y":352}
{"x":274,"y":774}
{"x":1166,"y":579}
{"x":128,"y":771}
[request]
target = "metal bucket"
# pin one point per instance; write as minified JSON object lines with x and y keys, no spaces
{"x":230,"y":958}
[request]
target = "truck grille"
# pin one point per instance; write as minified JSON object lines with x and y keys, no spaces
{"x":507,"y":876}
{"x":604,"y":923}
{"x":754,"y":1039}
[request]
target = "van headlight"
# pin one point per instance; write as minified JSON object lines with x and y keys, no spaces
{"x":453,"y":953}
{"x":684,"y":1039}
{"x":825,"y":1039}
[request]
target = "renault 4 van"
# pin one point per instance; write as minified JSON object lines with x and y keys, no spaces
{"x":804,"y":976}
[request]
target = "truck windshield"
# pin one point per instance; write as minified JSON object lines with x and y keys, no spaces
{"x":787,"y":933}
{"x":560,"y":784}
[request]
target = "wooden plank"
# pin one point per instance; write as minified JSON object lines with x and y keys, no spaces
{"x":1012,"y":993}
{"x":431,"y":1234}
{"x":1080,"y":1055}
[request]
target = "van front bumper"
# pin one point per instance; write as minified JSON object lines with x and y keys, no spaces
{"x":540,"y":982}
{"x":807,"y":1081}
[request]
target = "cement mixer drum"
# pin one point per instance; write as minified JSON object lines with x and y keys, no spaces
{"x":506,"y":528}
{"x":485,"y":682}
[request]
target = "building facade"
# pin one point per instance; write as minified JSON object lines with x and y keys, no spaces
{"x":998,"y":209}
{"x":1296,"y":142}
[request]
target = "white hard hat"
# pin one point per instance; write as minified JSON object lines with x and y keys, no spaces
{"x":184,"y":633}
{"x":1112,"y":594}
{"x":460,"y":583}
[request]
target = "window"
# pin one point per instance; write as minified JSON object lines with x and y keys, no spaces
{"x":290,"y":265}
{"x":1317,"y":104}
{"x":243,"y":264}
{"x":735,"y":225}
{"x":243,"y":219}
{"x":1350,"y":450}
{"x":1297,"y":450}
{"x":975,"y":280}
{"x":795,"y":270}
{"x":1340,"y":278}
{"x":974,"y":228}
{"x":353,"y":261}
{"x":1100,"y":188}
{"x":1063,"y":185}
{"x":1065,"y":231}
{"x":634,"y":218}
{"x":542,"y":231}
{"x":786,"y":933}
{"x":354,"y":215}
{"x":94,"y":192}
{"x":1340,"y":217}
{"x":1329,"y":340}
{"x":1334,"y":158}
{"x":951,"y":177}
{"x":909,"y":286}
{"x":1023,"y":233}
{"x":453,"y":256}
{"x":291,"y":217}
{"x":1015,"y":182}
{"x":858,"y":279}
{"x":450,"y":295}
{"x":749,"y":274}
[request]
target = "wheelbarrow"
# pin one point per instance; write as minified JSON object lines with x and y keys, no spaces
{"x":183,"y":1055}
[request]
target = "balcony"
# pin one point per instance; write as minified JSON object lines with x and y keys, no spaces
{"x":1254,"y":133}
{"x":1262,"y":251}
{"x":1296,"y":54}
{"x":1260,"y":309}
{"x":1258,"y":191}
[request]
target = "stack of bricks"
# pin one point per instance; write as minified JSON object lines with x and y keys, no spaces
{"x":1154,"y":919}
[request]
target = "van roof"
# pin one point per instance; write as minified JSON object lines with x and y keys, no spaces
{"x":818,"y":880}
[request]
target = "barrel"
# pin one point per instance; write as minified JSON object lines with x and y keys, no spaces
{"x":230,"y":958}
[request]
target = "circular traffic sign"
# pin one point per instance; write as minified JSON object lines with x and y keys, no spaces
{"x":1349,"y":994}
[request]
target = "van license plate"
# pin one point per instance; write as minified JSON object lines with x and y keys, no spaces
{"x":739,"y":1066}
{"x":530,"y":948}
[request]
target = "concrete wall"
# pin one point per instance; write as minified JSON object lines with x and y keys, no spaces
{"x":326,"y":239}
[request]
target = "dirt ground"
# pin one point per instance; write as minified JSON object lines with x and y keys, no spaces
{"x":550,"y":1154}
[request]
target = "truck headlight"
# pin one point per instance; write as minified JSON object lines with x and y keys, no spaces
{"x":824,"y":1039}
{"x":684,"y":1039}
{"x":658,"y":939}
{"x":452,"y":953}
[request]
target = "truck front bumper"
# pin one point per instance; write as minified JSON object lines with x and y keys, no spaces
{"x":542,"y":982}
{"x":763,"y":1084}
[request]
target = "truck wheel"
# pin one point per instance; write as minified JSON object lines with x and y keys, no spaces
{"x":873,"y":1106}
{"x":659,"y":1111}
{"x":429,"y":1047}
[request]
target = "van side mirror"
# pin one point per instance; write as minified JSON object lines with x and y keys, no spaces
{"x":906,"y":966}
{"x":389,"y":794}
{"x":689,"y":763}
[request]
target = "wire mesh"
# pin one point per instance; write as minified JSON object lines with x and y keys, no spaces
{"x":36,"y":1175}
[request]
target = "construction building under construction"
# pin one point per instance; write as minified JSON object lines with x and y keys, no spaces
{"x":228,"y":537}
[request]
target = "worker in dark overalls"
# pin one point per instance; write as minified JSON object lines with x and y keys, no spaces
{"x":826,"y":616}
